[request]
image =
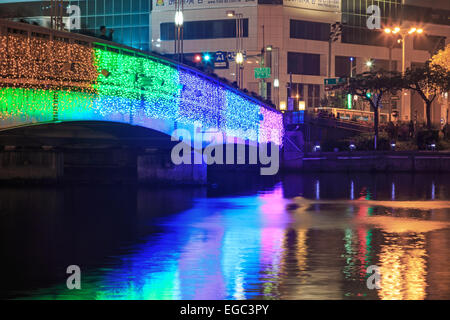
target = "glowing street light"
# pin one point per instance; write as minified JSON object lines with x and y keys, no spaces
{"x":369,"y":64}
{"x":403,"y":34}
{"x":179,"y":18}
{"x":239,"y":58}
{"x":276,"y":83}
{"x":231,"y":13}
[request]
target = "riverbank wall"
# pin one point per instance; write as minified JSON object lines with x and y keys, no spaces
{"x":420,"y":161}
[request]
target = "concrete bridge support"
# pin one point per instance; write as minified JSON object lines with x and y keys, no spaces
{"x":159,"y":168}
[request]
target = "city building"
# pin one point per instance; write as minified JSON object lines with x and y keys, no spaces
{"x":130,"y":19}
{"x":291,"y":37}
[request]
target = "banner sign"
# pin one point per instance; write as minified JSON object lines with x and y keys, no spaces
{"x":167,"y":5}
{"x":323,"y":5}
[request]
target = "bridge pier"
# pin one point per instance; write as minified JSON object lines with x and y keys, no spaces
{"x":96,"y":166}
{"x":36,"y":165}
{"x":159,"y":168}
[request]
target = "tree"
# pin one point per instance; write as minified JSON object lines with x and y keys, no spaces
{"x":371,"y":86}
{"x":428,"y":81}
{"x":442,"y":58}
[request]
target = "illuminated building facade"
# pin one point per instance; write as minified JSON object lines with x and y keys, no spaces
{"x":130,"y":19}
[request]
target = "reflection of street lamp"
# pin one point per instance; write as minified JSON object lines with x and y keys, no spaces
{"x":239,"y":58}
{"x":178,"y":50}
{"x":403,"y":33}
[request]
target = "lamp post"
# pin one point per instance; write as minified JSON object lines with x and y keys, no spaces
{"x":335,"y":33}
{"x":275,"y":65}
{"x":239,"y":58}
{"x":403,"y":33}
{"x":179,"y":19}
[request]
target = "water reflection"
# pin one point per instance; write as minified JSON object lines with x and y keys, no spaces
{"x":305,"y":237}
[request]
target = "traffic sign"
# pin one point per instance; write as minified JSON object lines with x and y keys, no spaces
{"x":334,"y":81}
{"x":221,"y":60}
{"x":262,"y":73}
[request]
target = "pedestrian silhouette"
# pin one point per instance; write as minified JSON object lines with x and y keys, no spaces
{"x":103,"y":33}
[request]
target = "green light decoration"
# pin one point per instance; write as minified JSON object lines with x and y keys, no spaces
{"x":138,"y":90}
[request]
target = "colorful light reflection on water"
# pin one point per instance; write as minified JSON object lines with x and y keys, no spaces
{"x":270,"y":245}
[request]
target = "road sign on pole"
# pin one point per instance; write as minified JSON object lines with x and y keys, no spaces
{"x":330,"y":82}
{"x":221,"y":60}
{"x":262,"y":73}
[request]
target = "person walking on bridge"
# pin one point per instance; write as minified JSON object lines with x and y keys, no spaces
{"x":103,"y":34}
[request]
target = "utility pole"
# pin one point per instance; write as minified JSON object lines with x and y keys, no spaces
{"x":56,"y":14}
{"x":335,"y":33}
{"x":239,"y":57}
{"x":262,"y":82}
{"x":179,"y":20}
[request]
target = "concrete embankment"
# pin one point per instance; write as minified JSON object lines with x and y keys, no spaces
{"x":370,"y":162}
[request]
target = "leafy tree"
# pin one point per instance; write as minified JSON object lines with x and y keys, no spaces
{"x":428,"y":81}
{"x":442,"y":58}
{"x":371,"y":86}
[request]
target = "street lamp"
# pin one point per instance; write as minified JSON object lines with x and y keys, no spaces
{"x":274,"y":56}
{"x":403,"y":33}
{"x":239,"y":58}
{"x":179,"y":19}
{"x":335,"y":33}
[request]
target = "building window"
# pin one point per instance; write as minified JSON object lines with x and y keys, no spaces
{"x":303,"y":63}
{"x":209,"y":29}
{"x":365,"y":36}
{"x":429,"y":43}
{"x":342,"y":66}
{"x":309,"y":30}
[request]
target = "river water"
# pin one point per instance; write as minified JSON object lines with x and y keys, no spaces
{"x":309,"y":236}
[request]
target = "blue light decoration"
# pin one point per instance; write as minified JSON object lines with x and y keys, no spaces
{"x":119,"y":85}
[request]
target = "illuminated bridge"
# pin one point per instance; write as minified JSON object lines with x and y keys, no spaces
{"x":51,"y":76}
{"x":61,"y":92}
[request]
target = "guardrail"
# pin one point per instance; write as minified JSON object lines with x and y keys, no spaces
{"x":301,"y":117}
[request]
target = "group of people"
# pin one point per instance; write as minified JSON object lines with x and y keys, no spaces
{"x":409,"y":130}
{"x":403,"y":129}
